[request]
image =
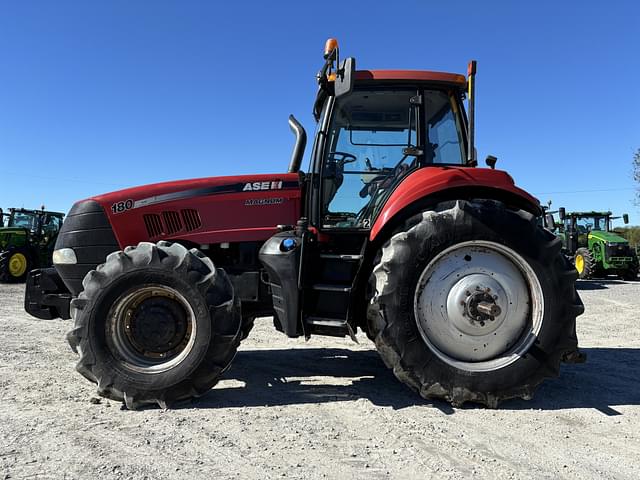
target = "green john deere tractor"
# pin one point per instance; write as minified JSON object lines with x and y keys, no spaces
{"x":27,"y":238}
{"x":595,"y":249}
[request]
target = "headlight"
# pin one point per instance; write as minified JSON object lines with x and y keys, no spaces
{"x":64,"y":256}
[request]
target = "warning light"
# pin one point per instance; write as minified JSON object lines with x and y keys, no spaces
{"x":330,"y":46}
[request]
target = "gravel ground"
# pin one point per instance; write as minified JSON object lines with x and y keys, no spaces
{"x":323,"y":409}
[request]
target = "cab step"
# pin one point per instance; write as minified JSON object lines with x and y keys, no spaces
{"x":340,"y":256}
{"x":326,"y":287}
{"x":333,"y":327}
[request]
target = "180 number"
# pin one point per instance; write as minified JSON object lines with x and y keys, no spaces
{"x":120,"y":207}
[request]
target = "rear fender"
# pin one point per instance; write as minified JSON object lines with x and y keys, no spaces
{"x":433,"y":184}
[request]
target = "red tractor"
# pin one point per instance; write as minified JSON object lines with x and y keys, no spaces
{"x":392,"y":231}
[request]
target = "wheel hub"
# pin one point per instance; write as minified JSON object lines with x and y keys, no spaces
{"x":478,"y":305}
{"x":156,"y":326}
{"x":481,"y":306}
{"x":151,"y":329}
{"x":468,"y":301}
{"x":17,"y":264}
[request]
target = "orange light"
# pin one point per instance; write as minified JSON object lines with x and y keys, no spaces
{"x":330,"y":46}
{"x":331,"y":77}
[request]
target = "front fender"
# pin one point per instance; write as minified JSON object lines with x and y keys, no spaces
{"x":451,"y":182}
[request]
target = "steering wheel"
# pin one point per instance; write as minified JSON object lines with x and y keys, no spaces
{"x":384,"y":179}
{"x":344,"y":157}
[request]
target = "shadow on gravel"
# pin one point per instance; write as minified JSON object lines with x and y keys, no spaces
{"x":600,"y":284}
{"x":610,"y":377}
{"x":289,"y":377}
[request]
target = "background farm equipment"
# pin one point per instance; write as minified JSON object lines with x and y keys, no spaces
{"x":27,"y":238}
{"x":595,"y":249}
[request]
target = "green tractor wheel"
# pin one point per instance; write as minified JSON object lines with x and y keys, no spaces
{"x":584,"y":263}
{"x":14,"y":265}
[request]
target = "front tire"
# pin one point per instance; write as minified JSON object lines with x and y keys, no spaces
{"x":155,"y":324}
{"x":584,"y":263}
{"x":472,"y":301}
{"x":15,"y":264}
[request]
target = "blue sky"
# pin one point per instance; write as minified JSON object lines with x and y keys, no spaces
{"x":96,"y":96}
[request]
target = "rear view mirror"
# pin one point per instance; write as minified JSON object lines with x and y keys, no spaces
{"x":345,"y":76}
{"x":625,"y":218}
{"x":550,"y":222}
{"x":561,"y":213}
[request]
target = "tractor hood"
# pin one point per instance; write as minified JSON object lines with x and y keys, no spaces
{"x":607,"y":237}
{"x":12,"y":236}
{"x":205,"y":210}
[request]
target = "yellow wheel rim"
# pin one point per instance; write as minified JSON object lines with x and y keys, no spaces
{"x":17,"y":265}
{"x":579,"y":263}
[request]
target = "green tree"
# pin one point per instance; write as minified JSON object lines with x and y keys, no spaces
{"x":632,"y":234}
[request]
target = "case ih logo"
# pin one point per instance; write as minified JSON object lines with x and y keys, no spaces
{"x":277,"y":185}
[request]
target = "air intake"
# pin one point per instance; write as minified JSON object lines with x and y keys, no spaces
{"x":191,"y":219}
{"x":153,"y":224}
{"x":172,"y":222}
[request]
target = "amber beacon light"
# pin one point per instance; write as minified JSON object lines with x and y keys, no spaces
{"x":330,"y":45}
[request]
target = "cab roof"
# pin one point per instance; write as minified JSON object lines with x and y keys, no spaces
{"x":588,"y":214}
{"x":27,"y":210}
{"x":413,"y":75}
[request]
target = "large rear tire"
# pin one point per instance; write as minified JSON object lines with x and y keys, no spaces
{"x":472,"y":301}
{"x":155,"y":324}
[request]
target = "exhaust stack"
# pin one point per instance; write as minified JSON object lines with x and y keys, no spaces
{"x":300,"y":145}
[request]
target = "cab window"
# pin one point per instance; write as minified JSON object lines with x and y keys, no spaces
{"x":375,"y":138}
{"x":365,"y":153}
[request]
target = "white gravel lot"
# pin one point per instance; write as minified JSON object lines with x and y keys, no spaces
{"x":327,"y":408}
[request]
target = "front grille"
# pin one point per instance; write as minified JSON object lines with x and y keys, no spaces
{"x":153,"y":224}
{"x":618,"y":251}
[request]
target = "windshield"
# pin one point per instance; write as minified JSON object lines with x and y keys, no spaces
{"x":375,"y":138}
{"x":595,"y":223}
{"x":23,"y":220}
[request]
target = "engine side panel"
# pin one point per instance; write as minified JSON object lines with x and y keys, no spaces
{"x":204,"y":211}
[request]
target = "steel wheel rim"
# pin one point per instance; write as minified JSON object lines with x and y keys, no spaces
{"x":125,"y":342}
{"x":579,"y":263}
{"x":17,"y":265}
{"x":456,"y":280}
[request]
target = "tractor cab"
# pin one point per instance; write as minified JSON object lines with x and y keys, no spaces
{"x":377,"y":136}
{"x":41,"y":224}
{"x":376,"y":128}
